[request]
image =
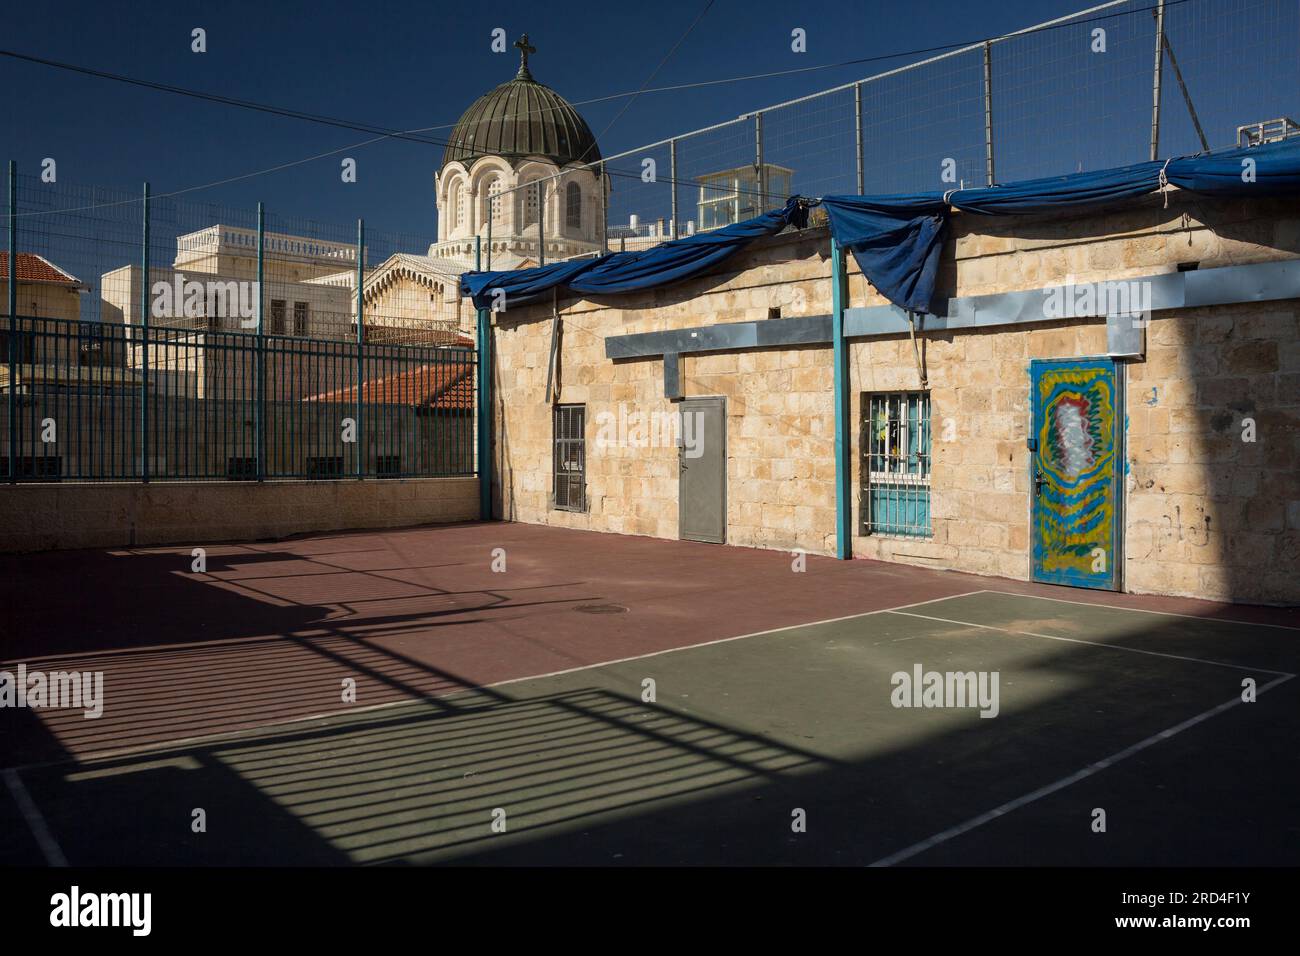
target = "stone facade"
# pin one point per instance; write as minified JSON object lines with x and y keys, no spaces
{"x":1207,"y":514}
{"x":43,"y":299}
{"x":41,"y":517}
{"x":506,"y":193}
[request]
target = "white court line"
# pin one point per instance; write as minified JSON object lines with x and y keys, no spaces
{"x":249,"y":732}
{"x":1113,"y":647}
{"x":35,"y":822}
{"x":1141,"y":610}
{"x":1061,"y":784}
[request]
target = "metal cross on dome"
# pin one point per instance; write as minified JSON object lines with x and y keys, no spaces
{"x":524,"y":48}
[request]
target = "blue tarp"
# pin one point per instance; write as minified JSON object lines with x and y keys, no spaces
{"x":896,"y":240}
{"x":1275,"y":168}
{"x":631,"y":271}
{"x":1058,"y":192}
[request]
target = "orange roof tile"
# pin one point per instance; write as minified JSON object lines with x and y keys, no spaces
{"x":445,"y":386}
{"x":34,"y":268}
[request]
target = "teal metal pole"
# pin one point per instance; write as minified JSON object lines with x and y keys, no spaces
{"x":13,"y":321}
{"x":484,"y":412}
{"x":361,"y":347}
{"x":843,"y":500}
{"x":144,"y":342}
{"x":259,"y":417}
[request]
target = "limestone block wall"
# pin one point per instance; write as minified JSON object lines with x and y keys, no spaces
{"x":1207,"y":514}
{"x":1214,"y":456}
{"x":39,"y":517}
{"x":42,"y":299}
{"x":780,"y":420}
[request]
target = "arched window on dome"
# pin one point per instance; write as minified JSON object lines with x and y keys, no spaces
{"x":573,"y":207}
{"x":530,"y":198}
{"x":454,"y":206}
{"x":492,"y":204}
{"x":495,"y":203}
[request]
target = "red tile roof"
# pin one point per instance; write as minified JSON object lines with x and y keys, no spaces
{"x":34,"y":268}
{"x":445,"y":386}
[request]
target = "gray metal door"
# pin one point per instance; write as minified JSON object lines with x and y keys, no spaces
{"x":702,"y":470}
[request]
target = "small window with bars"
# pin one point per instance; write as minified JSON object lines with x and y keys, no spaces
{"x":277,"y":317}
{"x":896,"y":464}
{"x":570,"y":457}
{"x":300,"y":319}
{"x":328,"y":466}
{"x":33,"y":468}
{"x":241,"y":469}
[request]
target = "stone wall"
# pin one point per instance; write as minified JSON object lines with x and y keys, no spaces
{"x":1214,"y":455}
{"x":46,"y":300}
{"x":38,"y":517}
{"x":1208,"y":515}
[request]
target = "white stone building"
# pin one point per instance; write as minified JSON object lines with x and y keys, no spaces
{"x":521,"y":171}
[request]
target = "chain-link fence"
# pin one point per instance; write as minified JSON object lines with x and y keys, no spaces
{"x":1117,"y":83}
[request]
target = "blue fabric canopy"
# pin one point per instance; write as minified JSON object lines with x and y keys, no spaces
{"x":1032,"y":196}
{"x":631,"y":271}
{"x":1274,"y":170}
{"x":896,"y":240}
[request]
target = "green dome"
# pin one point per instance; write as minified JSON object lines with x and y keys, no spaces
{"x":522,"y":118}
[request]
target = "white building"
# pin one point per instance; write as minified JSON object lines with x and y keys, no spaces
{"x":521,"y":172}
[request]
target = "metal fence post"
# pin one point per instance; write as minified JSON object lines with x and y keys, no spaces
{"x":758,"y":162}
{"x":857,"y":138}
{"x":604,"y":209}
{"x":259,"y":416}
{"x":144,"y":341}
{"x":1159,"y":14}
{"x":840,"y":357}
{"x":361,"y":347}
{"x":483,"y":412}
{"x":672,"y":173}
{"x":988,"y":112}
{"x":13,"y":321}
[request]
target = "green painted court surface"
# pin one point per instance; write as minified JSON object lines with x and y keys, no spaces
{"x":1135,"y":713}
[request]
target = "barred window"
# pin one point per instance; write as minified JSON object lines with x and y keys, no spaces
{"x":300,"y":312}
{"x":277,"y":317}
{"x":34,"y":467}
{"x":241,"y":469}
{"x":570,"y":457}
{"x":896,"y":464}
{"x":325,"y":466}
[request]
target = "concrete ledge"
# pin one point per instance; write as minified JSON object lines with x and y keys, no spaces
{"x":44,"y":517}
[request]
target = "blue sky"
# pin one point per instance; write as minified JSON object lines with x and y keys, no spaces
{"x":408,"y":65}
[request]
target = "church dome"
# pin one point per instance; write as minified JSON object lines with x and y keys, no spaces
{"x":522,"y":118}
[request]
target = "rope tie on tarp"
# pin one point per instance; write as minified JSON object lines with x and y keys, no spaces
{"x":1164,"y":181}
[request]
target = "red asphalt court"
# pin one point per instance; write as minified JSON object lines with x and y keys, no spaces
{"x":272,"y":630}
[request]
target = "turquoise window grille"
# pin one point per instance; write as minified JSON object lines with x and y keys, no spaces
{"x":896,"y":464}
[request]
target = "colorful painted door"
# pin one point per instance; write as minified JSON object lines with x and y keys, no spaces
{"x":1074,"y":532}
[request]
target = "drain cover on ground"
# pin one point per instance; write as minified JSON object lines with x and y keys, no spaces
{"x":601,"y":609}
